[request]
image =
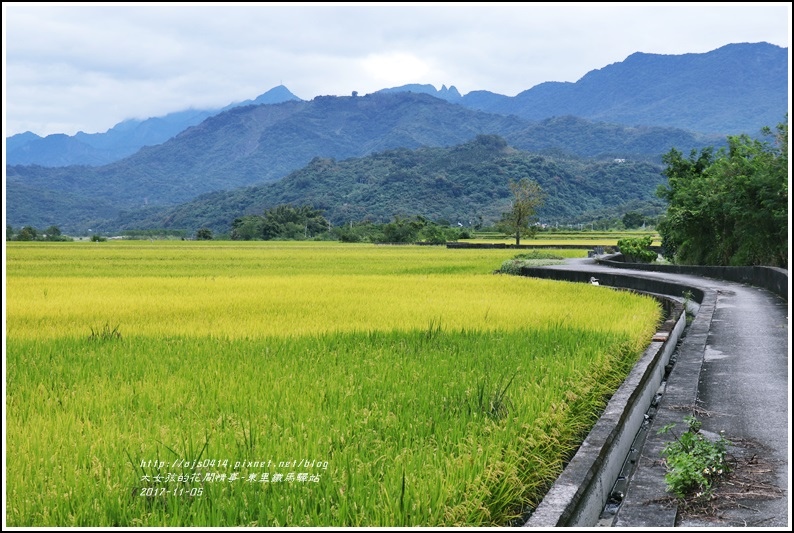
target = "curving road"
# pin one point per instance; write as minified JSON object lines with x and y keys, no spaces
{"x":733,"y":369}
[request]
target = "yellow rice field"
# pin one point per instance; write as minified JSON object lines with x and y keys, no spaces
{"x":181,"y":383}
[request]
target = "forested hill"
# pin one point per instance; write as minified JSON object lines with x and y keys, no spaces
{"x":255,"y":144}
{"x":461,"y":184}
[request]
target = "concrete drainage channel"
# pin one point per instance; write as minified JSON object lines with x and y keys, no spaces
{"x":619,"y":490}
{"x":590,"y":490}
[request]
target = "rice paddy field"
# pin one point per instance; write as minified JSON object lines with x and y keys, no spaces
{"x":174,"y":383}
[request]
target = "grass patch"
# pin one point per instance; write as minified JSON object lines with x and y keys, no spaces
{"x":532,"y":258}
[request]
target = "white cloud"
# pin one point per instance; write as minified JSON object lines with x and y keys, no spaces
{"x":87,"y":67}
{"x":397,"y":68}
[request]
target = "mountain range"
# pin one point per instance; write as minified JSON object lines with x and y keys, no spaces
{"x":737,"y":88}
{"x":120,"y":141}
{"x":255,"y":142}
{"x":252,"y":145}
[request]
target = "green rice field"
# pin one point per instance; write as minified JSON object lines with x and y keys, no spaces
{"x":175,"y":383}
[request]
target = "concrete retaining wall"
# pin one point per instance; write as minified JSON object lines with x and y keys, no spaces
{"x":772,"y":279}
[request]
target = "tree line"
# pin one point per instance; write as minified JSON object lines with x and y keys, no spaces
{"x":29,"y":233}
{"x":724,"y":207}
{"x":288,"y":222}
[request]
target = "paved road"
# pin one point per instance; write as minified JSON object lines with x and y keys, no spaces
{"x":745,"y":389}
{"x":743,"y":356}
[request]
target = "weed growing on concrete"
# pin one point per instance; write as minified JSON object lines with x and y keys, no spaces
{"x":688,"y":297}
{"x":693,"y":461}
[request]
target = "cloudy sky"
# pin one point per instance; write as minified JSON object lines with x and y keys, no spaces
{"x":71,"y":67}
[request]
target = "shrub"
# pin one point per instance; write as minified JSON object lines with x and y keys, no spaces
{"x":637,"y":249}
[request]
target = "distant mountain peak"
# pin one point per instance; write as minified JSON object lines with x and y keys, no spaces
{"x":450,"y":94}
{"x":276,"y":95}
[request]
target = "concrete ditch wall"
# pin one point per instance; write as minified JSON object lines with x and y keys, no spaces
{"x":579,"y":495}
{"x":655,"y":286}
{"x":642,"y":507}
{"x":504,"y":245}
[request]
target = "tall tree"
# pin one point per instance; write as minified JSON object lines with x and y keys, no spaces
{"x":528,"y":196}
{"x":27,"y":233}
{"x":52,"y":233}
{"x":685,"y":191}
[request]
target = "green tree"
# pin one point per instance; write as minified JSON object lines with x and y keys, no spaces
{"x":247,"y":228}
{"x":53,"y":233}
{"x":357,"y":232}
{"x":403,"y":230}
{"x":728,"y":207}
{"x":204,"y":234}
{"x":637,"y":249}
{"x":435,"y":233}
{"x":528,"y":196}
{"x":680,"y":226}
{"x":632,"y":220}
{"x":28,"y":233}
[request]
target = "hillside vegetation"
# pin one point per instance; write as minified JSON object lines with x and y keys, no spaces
{"x":466,"y":184}
{"x":252,"y":145}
